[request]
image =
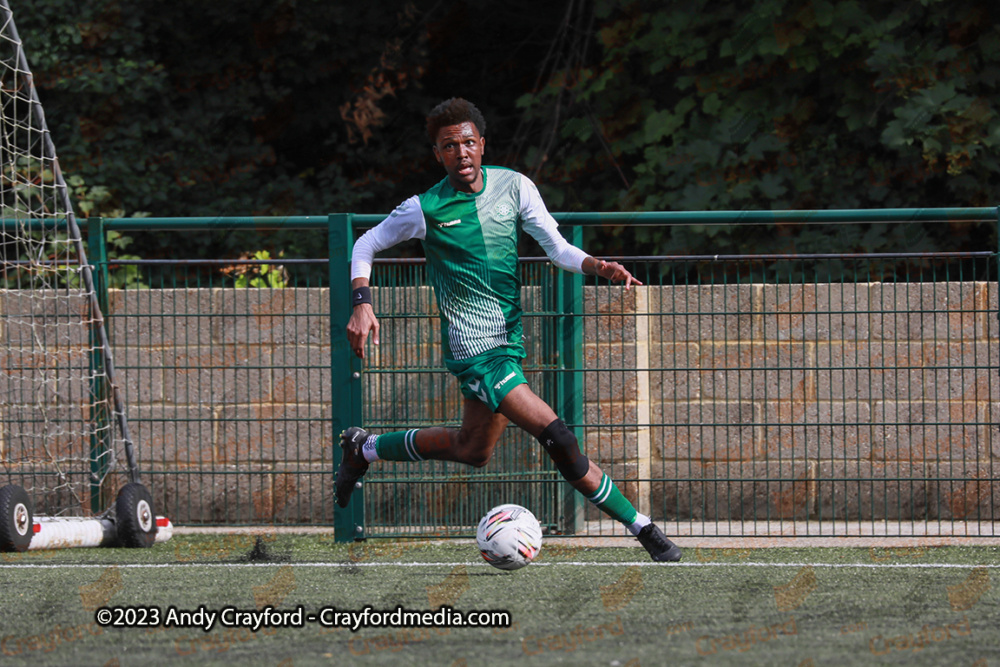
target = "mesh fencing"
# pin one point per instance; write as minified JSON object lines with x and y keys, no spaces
{"x":727,"y":396}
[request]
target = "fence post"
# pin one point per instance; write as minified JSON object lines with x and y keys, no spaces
{"x":571,"y":385}
{"x":99,"y":417}
{"x":345,"y":370}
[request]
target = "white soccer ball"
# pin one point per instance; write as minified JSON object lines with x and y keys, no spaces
{"x":509,"y":537}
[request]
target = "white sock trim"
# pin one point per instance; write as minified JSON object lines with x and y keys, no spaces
{"x":410,"y":442}
{"x":368,"y":449}
{"x":603,"y":491}
{"x":641,"y":521}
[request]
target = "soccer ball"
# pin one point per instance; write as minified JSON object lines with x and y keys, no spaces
{"x":509,"y":537}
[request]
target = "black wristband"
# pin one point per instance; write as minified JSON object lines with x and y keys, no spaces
{"x":361,"y":295}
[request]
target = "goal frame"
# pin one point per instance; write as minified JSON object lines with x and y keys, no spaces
{"x":130,"y":521}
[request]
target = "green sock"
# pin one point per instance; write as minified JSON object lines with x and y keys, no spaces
{"x":398,"y":446}
{"x":611,"y":501}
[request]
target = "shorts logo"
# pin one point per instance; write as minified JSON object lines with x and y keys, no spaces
{"x":480,"y":393}
{"x":503,"y":381}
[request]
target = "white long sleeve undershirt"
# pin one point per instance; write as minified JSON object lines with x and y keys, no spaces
{"x":407,"y":222}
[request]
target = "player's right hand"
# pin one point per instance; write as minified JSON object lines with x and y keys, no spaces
{"x":362,"y":322}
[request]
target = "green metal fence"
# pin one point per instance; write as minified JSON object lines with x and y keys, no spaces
{"x":406,"y":386}
{"x":808,"y":394}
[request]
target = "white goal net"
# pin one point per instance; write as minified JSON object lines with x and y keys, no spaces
{"x":62,"y":427}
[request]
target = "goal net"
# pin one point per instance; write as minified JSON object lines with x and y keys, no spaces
{"x":63,"y":434}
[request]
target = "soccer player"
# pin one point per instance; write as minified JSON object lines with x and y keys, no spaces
{"x":469,"y":225}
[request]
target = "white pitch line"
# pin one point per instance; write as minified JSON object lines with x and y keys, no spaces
{"x":154,"y":566}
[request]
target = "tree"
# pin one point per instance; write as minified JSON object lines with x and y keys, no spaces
{"x":214,"y":109}
{"x":782,"y":105}
{"x":309,"y":107}
{"x":261,"y":108}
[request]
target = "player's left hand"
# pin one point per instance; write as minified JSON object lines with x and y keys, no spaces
{"x":616,"y":273}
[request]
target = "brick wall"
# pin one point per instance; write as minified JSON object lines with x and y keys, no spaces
{"x":230,"y":398}
{"x":846,"y":401}
{"x":836,"y":401}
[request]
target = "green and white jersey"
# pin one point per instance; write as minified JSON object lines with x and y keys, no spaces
{"x":470,"y":241}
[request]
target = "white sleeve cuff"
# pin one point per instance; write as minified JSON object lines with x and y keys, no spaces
{"x":569,"y":258}
{"x":360,"y":268}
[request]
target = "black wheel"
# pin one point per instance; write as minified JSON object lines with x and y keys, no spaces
{"x":135,"y":521}
{"x":17,"y":523}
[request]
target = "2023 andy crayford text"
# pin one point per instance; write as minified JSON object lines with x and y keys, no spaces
{"x":269,"y":617}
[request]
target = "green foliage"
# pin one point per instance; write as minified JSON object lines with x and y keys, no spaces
{"x":258,"y":275}
{"x":778,"y":105}
{"x":292,"y":108}
{"x":99,"y":201}
{"x":93,"y":201}
{"x":225,"y":108}
{"x":122,"y":276}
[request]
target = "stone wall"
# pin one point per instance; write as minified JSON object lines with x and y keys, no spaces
{"x":230,"y":399}
{"x":832,"y":401}
{"x":743,"y":402}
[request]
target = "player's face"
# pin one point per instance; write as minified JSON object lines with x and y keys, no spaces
{"x":459,"y":148}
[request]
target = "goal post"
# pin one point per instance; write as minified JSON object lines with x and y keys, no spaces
{"x":64,"y":436}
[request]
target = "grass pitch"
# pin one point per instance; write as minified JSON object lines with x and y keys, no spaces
{"x":574,"y":606}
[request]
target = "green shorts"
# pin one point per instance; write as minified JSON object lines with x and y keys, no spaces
{"x":489,"y":376}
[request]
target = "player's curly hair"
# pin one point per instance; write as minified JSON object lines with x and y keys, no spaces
{"x":454,"y":112}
